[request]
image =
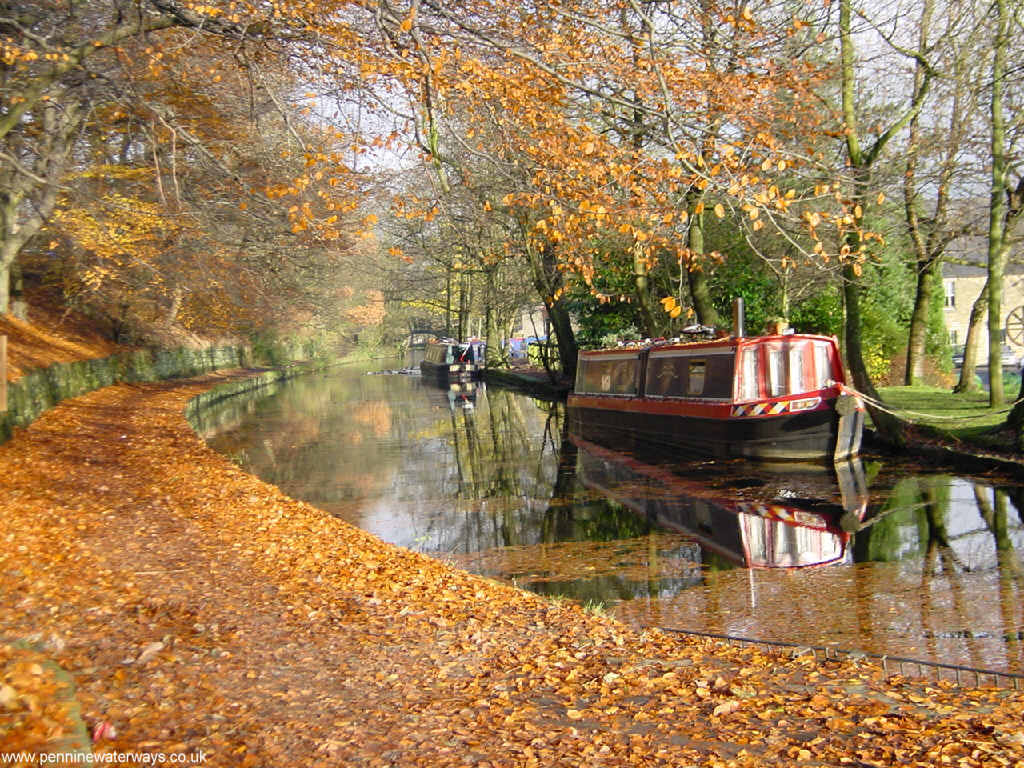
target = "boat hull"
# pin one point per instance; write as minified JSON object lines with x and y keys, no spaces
{"x":444,"y":373}
{"x":637,"y":425}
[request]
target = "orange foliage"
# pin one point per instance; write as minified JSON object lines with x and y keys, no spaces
{"x":51,"y":336}
{"x":369,"y":314}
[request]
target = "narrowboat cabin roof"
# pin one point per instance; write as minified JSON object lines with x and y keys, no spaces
{"x":681,"y":343}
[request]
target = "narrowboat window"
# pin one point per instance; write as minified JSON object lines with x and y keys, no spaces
{"x":696,"y":376}
{"x":796,"y":368}
{"x":665,"y":376}
{"x":592,"y":377}
{"x":616,"y":377}
{"x":748,"y":374}
{"x":822,"y":364}
{"x":776,"y":372}
{"x":624,"y":377}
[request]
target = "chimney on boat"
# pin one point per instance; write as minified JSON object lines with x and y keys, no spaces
{"x":738,"y":317}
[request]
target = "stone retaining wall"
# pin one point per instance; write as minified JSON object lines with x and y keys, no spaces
{"x":42,"y":388}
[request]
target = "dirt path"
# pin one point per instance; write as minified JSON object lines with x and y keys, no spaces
{"x":201,"y":611}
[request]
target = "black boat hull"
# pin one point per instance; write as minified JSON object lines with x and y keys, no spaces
{"x":811,"y":436}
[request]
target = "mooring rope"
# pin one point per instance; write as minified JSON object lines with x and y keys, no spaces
{"x":1007,"y":679}
{"x":876,"y":403}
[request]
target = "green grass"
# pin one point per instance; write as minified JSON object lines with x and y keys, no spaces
{"x":958,"y":416}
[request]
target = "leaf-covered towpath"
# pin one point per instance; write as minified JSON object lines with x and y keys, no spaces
{"x":199,"y":609}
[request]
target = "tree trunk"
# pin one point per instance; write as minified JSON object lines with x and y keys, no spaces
{"x":696,"y":277}
{"x":968,"y":382}
{"x":448,"y":301}
{"x":5,"y":290}
{"x":997,"y":241}
{"x":887,"y":426}
{"x":548,"y":281}
{"x":927,"y":279}
{"x":565,"y":336}
{"x":643,"y":293}
{"x":26,"y":202}
{"x":861,"y":161}
{"x":918,"y":332}
{"x":172,"y":312}
{"x":493,"y":352}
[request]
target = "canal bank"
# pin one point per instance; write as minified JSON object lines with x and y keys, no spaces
{"x":200,"y":610}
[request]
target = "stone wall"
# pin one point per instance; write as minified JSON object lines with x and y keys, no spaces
{"x":42,"y":388}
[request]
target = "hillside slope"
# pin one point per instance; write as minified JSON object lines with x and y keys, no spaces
{"x":52,"y":336}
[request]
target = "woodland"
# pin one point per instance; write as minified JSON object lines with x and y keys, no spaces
{"x":184,"y":170}
{"x":234,"y":168}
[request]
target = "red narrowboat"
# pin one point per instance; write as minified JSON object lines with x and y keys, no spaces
{"x":772,"y":398}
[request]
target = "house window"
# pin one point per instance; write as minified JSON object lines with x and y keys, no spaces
{"x":950,"y":286}
{"x":953,"y":339}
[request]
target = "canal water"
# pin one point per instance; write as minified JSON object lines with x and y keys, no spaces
{"x":878,"y":555}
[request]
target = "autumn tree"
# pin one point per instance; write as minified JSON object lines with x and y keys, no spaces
{"x":60,"y":66}
{"x":936,"y":173}
{"x":863,"y":156}
{"x":613,"y":149}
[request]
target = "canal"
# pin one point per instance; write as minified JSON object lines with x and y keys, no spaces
{"x":880,"y":556}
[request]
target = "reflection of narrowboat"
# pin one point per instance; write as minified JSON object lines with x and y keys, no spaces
{"x":447,"y":360}
{"x":753,"y":530}
{"x":458,"y":394}
{"x":766,"y":397}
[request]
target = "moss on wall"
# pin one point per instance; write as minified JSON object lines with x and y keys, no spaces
{"x":42,"y":388}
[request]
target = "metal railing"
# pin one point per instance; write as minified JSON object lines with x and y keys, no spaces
{"x":938,"y":671}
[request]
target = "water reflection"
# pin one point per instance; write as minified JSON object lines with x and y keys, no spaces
{"x":880,"y":557}
{"x":712,"y":505}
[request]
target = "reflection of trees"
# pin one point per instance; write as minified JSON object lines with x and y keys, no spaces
{"x":492,"y":446}
{"x":320,"y":437}
{"x":575,"y":513}
{"x":940,"y":559}
{"x":912,"y":522}
{"x":996,"y":517}
{"x":924,"y":518}
{"x":516,"y":490}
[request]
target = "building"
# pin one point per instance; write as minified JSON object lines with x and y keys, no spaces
{"x":962,"y":283}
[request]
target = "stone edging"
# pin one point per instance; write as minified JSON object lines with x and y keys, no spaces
{"x":40,"y":389}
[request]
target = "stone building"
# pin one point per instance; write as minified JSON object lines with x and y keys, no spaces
{"x":962,"y":283}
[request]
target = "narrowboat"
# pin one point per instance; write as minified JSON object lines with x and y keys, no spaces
{"x":773,"y":398}
{"x":445,"y":360}
{"x":777,"y":527}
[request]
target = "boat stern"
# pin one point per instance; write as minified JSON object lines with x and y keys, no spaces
{"x":850,"y":410}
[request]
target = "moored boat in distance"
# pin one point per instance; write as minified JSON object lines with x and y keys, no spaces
{"x":778,"y":397}
{"x":446,"y":360}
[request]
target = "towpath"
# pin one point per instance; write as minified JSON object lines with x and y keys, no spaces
{"x":202,"y":612}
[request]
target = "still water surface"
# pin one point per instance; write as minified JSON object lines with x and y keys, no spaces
{"x":879,"y":556}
